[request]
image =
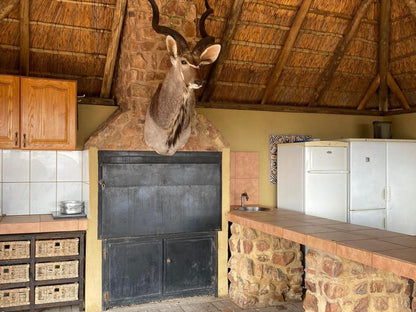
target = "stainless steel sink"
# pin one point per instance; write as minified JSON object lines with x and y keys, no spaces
{"x":252,"y":208}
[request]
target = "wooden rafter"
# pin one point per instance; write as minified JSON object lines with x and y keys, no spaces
{"x":336,"y":58}
{"x":112,"y":51}
{"x":383,"y":54}
{"x":392,"y":84}
{"x":370,"y":91}
{"x":6,"y":6}
{"x":225,"y":48}
{"x":284,"y":54}
{"x":24,"y":37}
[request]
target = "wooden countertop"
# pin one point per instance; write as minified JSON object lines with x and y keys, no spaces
{"x":388,"y":251}
{"x":40,"y":224}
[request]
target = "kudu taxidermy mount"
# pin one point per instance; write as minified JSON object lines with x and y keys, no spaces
{"x":168,"y":120}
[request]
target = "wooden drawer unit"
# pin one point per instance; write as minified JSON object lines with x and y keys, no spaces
{"x":39,"y":271}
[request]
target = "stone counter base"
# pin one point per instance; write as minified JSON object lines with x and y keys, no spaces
{"x":264,"y":269}
{"x":339,"y":285}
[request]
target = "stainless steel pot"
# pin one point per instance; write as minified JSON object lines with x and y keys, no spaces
{"x":71,"y":206}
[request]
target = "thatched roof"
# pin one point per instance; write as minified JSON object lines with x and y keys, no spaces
{"x":347,"y":56}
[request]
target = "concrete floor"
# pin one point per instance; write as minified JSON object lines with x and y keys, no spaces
{"x":193,"y":304}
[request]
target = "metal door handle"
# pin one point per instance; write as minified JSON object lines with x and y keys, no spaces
{"x":102,"y":184}
{"x":168,"y":260}
{"x":24,"y":139}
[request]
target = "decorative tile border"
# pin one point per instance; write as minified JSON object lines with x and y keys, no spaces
{"x":281,"y":138}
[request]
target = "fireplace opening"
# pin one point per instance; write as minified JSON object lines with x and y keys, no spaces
{"x":158,"y":217}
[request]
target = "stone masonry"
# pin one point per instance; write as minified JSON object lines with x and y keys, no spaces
{"x":339,"y":285}
{"x":142,"y":66}
{"x":264,"y":270}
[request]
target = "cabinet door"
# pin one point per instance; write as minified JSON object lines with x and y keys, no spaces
{"x":48,"y":114}
{"x":132,"y":271}
{"x":190,"y":265}
{"x":367,"y":175}
{"x":9,"y":114}
{"x":401,"y":205}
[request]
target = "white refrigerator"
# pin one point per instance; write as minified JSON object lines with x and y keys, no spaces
{"x":312,"y":177}
{"x":383,"y":184}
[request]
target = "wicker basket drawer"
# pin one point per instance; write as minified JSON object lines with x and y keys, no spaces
{"x":14,"y":250}
{"x":14,"y":297}
{"x":57,"y":247}
{"x":14,"y":273}
{"x":56,"y":293}
{"x":56,"y":270}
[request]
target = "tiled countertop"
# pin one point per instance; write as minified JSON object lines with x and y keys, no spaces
{"x":40,"y":224}
{"x":388,"y":251}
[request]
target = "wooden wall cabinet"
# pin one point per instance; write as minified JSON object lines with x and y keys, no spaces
{"x":37,"y":113}
{"x":39,"y":271}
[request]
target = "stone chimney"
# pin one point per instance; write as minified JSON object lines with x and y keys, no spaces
{"x":143,"y":64}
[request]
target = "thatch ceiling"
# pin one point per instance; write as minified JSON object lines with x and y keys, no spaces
{"x":347,"y":56}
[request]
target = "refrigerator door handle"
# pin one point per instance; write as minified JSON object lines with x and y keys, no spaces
{"x":327,"y":171}
{"x":387,"y":193}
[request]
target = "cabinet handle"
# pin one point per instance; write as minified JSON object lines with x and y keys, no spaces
{"x":168,"y":260}
{"x":24,"y":139}
{"x":16,"y":139}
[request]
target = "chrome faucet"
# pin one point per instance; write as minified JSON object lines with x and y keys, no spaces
{"x":242,"y":198}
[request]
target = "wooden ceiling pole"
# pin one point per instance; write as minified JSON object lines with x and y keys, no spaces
{"x":6,"y":6}
{"x":284,"y":54}
{"x":228,"y":36}
{"x":24,"y":37}
{"x":370,"y":91}
{"x":336,"y":58}
{"x":392,"y":84}
{"x":112,"y":51}
{"x":383,"y":54}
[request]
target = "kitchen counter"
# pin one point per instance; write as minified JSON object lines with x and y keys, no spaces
{"x":388,"y":251}
{"x":40,"y":224}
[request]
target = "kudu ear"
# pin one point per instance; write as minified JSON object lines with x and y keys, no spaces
{"x":210,"y":54}
{"x":172,"y":46}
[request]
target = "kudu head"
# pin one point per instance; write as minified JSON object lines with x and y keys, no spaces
{"x":186,"y":62}
{"x":168,"y":119}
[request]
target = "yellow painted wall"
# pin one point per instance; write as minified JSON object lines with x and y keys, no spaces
{"x":250,"y":130}
{"x":403,"y":126}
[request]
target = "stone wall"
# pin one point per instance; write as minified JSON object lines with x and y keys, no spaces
{"x":338,"y":285}
{"x":264,"y":270}
{"x":142,"y":66}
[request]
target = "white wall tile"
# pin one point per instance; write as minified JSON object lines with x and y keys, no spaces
{"x":68,"y":191}
{"x":15,"y":166}
{"x":42,"y":198}
{"x":69,"y":166}
{"x":16,"y":198}
{"x":85,"y":166}
{"x":42,"y":166}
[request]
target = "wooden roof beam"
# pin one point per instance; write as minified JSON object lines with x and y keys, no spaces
{"x":112,"y":51}
{"x":228,"y":36}
{"x":284,"y":54}
{"x":336,"y":58}
{"x":6,"y":6}
{"x":24,"y":37}
{"x":383,"y":54}
{"x":392,"y":84}
{"x":370,"y":91}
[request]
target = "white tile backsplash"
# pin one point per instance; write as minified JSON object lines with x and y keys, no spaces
{"x":15,"y":166}
{"x":33,"y":182}
{"x":42,"y":197}
{"x":69,"y":166}
{"x":16,"y":198}
{"x":42,"y":166}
